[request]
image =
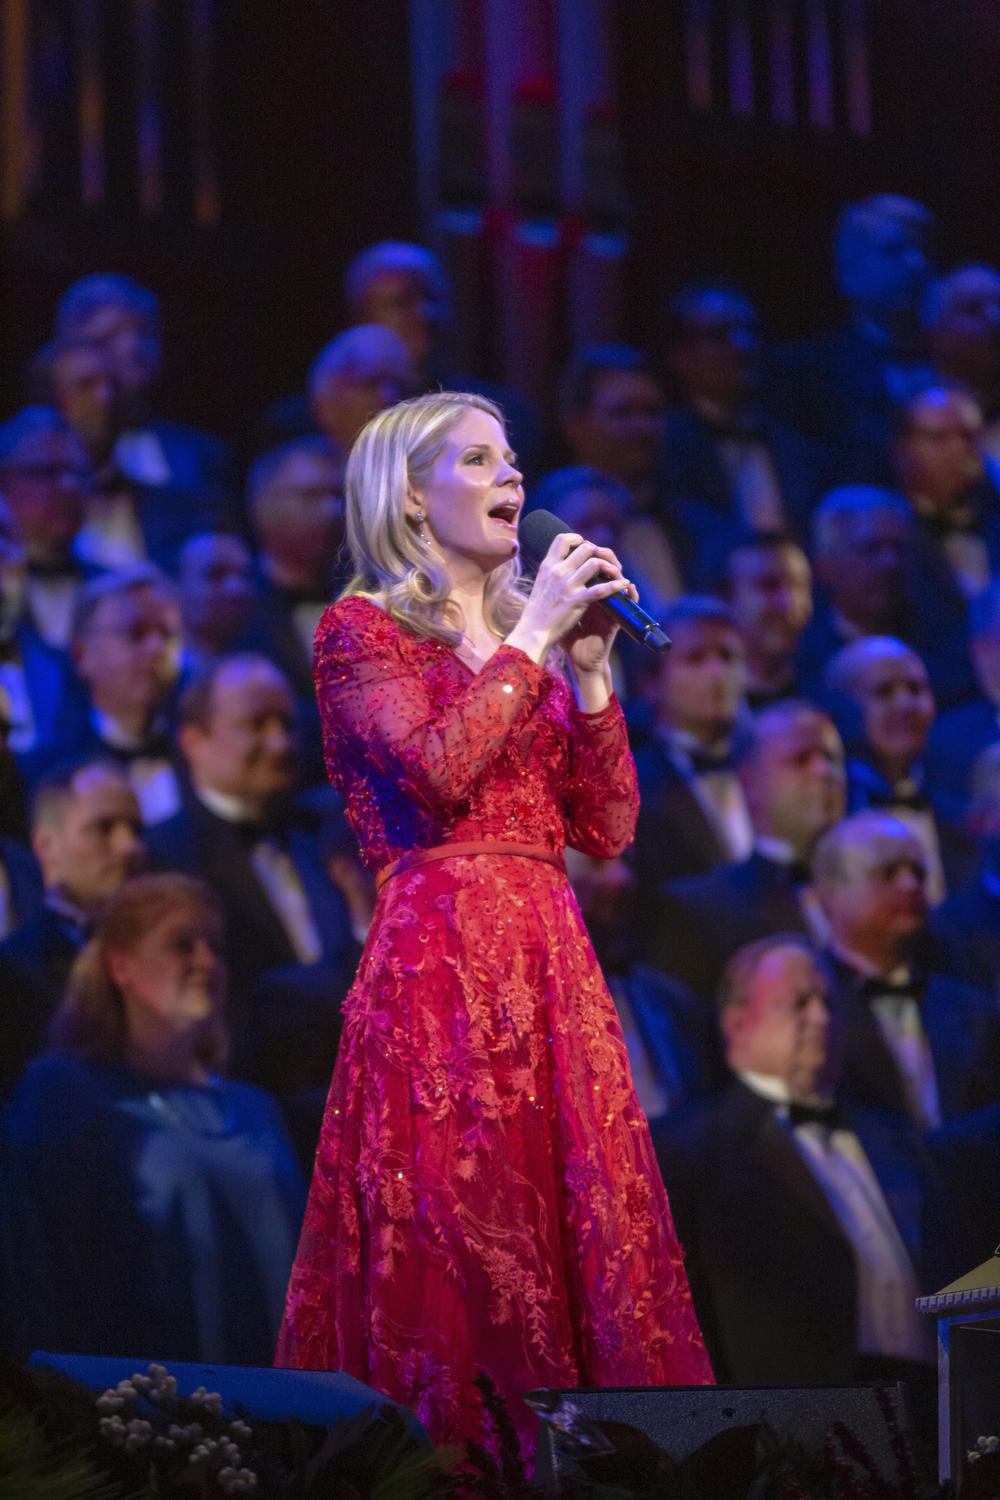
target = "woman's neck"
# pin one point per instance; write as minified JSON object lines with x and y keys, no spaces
{"x":469,"y":600}
{"x":177,"y":1061}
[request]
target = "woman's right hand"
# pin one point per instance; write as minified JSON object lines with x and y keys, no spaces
{"x":563,"y":590}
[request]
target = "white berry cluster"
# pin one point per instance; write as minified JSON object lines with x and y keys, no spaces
{"x":218,"y":1456}
{"x":983,"y":1445}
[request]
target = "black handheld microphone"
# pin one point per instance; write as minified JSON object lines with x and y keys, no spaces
{"x":539,"y":529}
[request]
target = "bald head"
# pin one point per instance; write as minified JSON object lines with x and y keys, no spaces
{"x":871,"y":877}
{"x":888,"y":682}
{"x":775,"y":1015}
{"x":961,"y":317}
{"x":359,"y":374}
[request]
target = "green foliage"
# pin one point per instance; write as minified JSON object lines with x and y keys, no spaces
{"x":32,"y":1468}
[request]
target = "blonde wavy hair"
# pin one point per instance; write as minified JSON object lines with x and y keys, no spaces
{"x":394,"y":453}
{"x":90,"y":1022}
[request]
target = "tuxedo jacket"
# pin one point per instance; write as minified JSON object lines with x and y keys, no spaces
{"x":702,"y":921}
{"x":962,"y":1025}
{"x":53,"y":688}
{"x":692,"y":470}
{"x":833,"y":389}
{"x":24,"y":879}
{"x":34,"y":965}
{"x":198,"y":496}
{"x":967,"y":928}
{"x":198,"y":842}
{"x":679,"y":1035}
{"x":955,"y":743}
{"x":674,"y":836}
{"x":772,"y":1273}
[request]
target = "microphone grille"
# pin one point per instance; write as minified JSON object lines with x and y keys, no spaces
{"x":537,"y":531}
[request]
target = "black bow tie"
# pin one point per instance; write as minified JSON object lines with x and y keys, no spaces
{"x":250,"y":834}
{"x":901,"y":989}
{"x":110,"y":480}
{"x":741,"y":428}
{"x":796,"y":872}
{"x":313,"y":596}
{"x":961,"y":522}
{"x":704,"y":764}
{"x":157,"y":748}
{"x":70,"y":570}
{"x":826,"y":1115}
{"x":904,"y":794}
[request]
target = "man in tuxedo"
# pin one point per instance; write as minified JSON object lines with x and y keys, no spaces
{"x":967,"y":923}
{"x":840,"y":388}
{"x":20,"y":879}
{"x":611,"y":409}
{"x":295,"y":499}
{"x":693,"y":814}
{"x":941,"y":468}
{"x":215,"y":589}
{"x":125,"y":640}
{"x":792,"y":773}
{"x":44,"y":477}
{"x":290,"y":949}
{"x":157,"y":482}
{"x":807,"y":1228}
{"x":961,"y":322}
{"x":959,"y":737}
{"x":872,"y":578}
{"x":887,"y":705}
{"x":87,"y":836}
{"x":745,"y":471}
{"x":38,"y":682}
{"x":917,"y":1040}
{"x":767,"y":583}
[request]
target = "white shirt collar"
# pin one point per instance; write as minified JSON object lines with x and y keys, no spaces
{"x":229,"y":809}
{"x":777,"y":849}
{"x":900,"y":974}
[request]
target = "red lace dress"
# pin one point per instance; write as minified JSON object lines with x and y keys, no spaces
{"x":485,"y":1194}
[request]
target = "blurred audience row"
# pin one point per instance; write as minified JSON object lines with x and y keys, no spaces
{"x":803,"y":942}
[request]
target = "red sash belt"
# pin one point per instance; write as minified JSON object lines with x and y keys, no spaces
{"x":469,"y":846}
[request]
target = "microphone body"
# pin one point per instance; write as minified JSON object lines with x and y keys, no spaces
{"x":539,"y":529}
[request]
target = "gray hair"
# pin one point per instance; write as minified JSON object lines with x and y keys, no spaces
{"x":844,"y":503}
{"x":112,"y":586}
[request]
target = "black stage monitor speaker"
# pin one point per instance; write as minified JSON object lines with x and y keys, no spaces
{"x":680,"y":1418}
{"x":314,"y":1396}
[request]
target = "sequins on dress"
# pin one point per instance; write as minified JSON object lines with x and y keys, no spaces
{"x":485,"y":1194}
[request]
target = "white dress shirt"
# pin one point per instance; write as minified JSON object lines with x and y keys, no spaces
{"x":888,"y":1323}
{"x":152,"y":778}
{"x":719,"y":794}
{"x":902,"y":1029}
{"x":281,"y":882}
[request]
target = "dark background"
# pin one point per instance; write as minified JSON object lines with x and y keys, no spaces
{"x":306,"y":112}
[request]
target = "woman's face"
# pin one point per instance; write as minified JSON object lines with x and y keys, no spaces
{"x":174,"y":976}
{"x":473,"y":498}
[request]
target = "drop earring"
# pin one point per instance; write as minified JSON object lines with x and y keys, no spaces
{"x":421,"y":531}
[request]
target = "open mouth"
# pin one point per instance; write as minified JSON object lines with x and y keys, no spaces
{"x":506,"y":513}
